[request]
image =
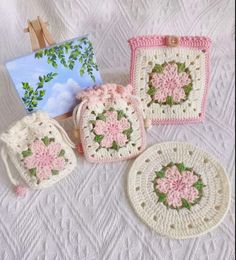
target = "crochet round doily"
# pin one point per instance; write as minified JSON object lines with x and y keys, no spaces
{"x":183,"y":222}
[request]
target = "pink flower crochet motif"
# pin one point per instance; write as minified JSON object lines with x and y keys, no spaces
{"x":112,"y":129}
{"x":178,"y":186}
{"x":170,"y":83}
{"x":44,"y":159}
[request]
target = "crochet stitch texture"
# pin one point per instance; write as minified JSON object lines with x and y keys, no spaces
{"x":110,"y":123}
{"x":40,"y":150}
{"x":172,"y":82}
{"x":178,"y":190}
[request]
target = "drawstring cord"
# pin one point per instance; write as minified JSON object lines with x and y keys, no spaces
{"x":63,"y":132}
{"x":5,"y":161}
{"x":19,"y":189}
{"x":77,"y":113}
{"x":76,"y":117}
{"x":147,"y":122}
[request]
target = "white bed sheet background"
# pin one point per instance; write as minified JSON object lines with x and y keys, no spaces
{"x":88,"y":216}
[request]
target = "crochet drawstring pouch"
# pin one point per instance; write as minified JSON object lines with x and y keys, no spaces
{"x":109,"y":124}
{"x":40,"y":150}
{"x":170,"y":75}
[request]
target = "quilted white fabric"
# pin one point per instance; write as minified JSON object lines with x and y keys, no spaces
{"x":88,"y":215}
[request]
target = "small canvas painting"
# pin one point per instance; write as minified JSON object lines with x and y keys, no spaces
{"x":49,"y":79}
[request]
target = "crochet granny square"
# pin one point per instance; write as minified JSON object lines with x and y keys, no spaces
{"x":40,"y":151}
{"x":171,"y":76}
{"x":110,"y":123}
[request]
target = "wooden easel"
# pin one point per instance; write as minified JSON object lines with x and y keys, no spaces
{"x":40,"y":37}
{"x":39,"y":34}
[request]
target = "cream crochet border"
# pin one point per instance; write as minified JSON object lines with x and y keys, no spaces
{"x":145,"y":49}
{"x":204,"y":216}
{"x":25,"y":131}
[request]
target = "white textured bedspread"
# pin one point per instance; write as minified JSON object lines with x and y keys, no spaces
{"x":87,"y":216}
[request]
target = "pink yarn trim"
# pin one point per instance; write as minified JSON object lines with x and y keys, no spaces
{"x":79,"y":148}
{"x":104,"y":92}
{"x":198,"y":42}
{"x":20,"y":191}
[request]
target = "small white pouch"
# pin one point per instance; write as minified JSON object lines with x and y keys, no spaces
{"x":40,"y":150}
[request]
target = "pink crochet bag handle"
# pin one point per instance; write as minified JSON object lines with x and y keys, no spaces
{"x":104,"y":122}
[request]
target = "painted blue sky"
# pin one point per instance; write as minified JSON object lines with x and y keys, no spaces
{"x":60,"y":92}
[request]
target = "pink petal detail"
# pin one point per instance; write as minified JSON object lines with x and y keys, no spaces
{"x":44,"y":173}
{"x":100,"y":128}
{"x":30,"y":162}
{"x":174,"y":199}
{"x":54,"y":149}
{"x":107,"y":141}
{"x":161,"y":96}
{"x":112,"y":129}
{"x":178,"y":94}
{"x":124,"y":124}
{"x":171,"y":69}
{"x":184,"y":79}
{"x":58,"y":164}
{"x":178,"y":186}
{"x":121,"y":139}
{"x":170,"y":83}
{"x":37,"y":147}
{"x":163,"y":185}
{"x":111,"y":116}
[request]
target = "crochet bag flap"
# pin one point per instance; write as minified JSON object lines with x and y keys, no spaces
{"x":40,"y":150}
{"x":110,"y":123}
{"x":171,"y":76}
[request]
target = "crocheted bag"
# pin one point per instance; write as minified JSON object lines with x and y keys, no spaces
{"x":171,"y":76}
{"x":40,"y":150}
{"x":110,"y":124}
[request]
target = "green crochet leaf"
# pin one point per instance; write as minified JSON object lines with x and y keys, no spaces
{"x":120,"y":114}
{"x":101,"y":117}
{"x":62,"y":153}
{"x":162,"y":197}
{"x":27,"y":153}
{"x":98,"y":138}
{"x":181,"y":67}
{"x":55,"y":172}
{"x":188,"y":89}
{"x":33,"y":172}
{"x":115,"y":146}
{"x":181,"y":167}
{"x":46,"y":140}
{"x":160,"y":174}
{"x":186,"y":204}
{"x":199,"y":185}
{"x":128,"y":132}
{"x":169,"y":101}
{"x":151,"y":91}
{"x":158,"y":68}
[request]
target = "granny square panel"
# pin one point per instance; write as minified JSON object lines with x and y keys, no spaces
{"x":171,"y":76}
{"x":110,"y":123}
{"x":40,"y":150}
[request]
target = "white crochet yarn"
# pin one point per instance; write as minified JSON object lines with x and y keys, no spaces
{"x":143,"y":68}
{"x":23,"y":133}
{"x":87,"y":112}
{"x":182,"y":224}
{"x":146,"y":55}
